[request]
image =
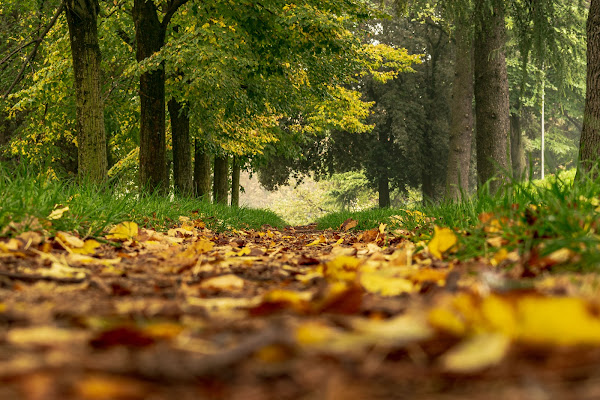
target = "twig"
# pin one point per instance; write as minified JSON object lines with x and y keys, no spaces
{"x":37,"y":42}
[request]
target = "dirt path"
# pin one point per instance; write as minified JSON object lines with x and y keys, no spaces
{"x":292,"y":314}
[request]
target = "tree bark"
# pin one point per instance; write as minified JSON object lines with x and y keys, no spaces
{"x":150,"y":38}
{"x":235,"y":182}
{"x":589,"y":145}
{"x":461,"y":115}
{"x":220,"y":183}
{"x":182,"y":153}
{"x":491,"y":94}
{"x":85,"y":50}
{"x":201,"y":171}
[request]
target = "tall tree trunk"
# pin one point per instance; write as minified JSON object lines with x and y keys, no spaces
{"x":220,"y":183}
{"x":383,"y":176}
{"x":589,"y":145}
{"x":461,"y":114}
{"x":235,"y":182}
{"x":182,"y":153}
{"x":201,"y":171}
{"x":430,"y":175}
{"x":91,"y":134}
{"x":150,"y":38}
{"x":491,"y":93}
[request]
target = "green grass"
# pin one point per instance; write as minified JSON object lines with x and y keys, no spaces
{"x":535,"y":218}
{"x":27,"y":199}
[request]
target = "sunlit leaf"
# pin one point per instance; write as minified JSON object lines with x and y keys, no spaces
{"x":58,"y":213}
{"x":443,"y":240}
{"x":123,"y":231}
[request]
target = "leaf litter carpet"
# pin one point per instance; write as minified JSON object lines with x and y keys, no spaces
{"x":290,"y":314}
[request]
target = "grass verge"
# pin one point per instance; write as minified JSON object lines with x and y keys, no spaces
{"x":27,"y":200}
{"x":535,"y":219}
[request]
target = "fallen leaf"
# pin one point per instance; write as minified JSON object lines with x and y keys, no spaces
{"x":100,"y":387}
{"x":57,"y":213}
{"x":476,"y":353}
{"x":443,"y":240}
{"x":71,"y":241}
{"x":223,"y":282}
{"x":123,"y":231}
{"x":348,"y":224}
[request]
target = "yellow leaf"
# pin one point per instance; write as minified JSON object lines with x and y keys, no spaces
{"x":123,"y":231}
{"x":446,"y":320}
{"x":244,"y":251}
{"x":314,"y":333}
{"x":70,"y":240}
{"x":443,"y":240}
{"x":385,"y":285}
{"x":500,"y":256}
{"x":319,"y":240}
{"x":342,"y":268}
{"x":382,"y":228}
{"x":557,"y":320}
{"x":560,"y":256}
{"x":89,"y":247}
{"x":58,"y":213}
{"x":476,"y":353}
{"x":223,"y":282}
{"x":499,"y":315}
{"x":109,"y":387}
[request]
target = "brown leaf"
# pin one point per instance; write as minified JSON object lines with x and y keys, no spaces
{"x":348,"y":224}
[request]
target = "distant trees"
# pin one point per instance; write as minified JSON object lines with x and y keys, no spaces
{"x":272,"y":81}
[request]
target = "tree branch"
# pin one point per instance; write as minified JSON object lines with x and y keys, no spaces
{"x":174,"y":5}
{"x":37,"y":42}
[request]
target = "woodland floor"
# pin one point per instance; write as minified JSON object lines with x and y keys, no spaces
{"x":291,"y":314}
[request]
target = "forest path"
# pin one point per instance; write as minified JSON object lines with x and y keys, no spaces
{"x":284,"y":314}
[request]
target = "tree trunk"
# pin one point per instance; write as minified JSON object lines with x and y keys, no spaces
{"x":589,"y":147}
{"x":201,"y":171}
{"x":85,"y":50}
{"x":384,"y":190}
{"x":220,"y":183}
{"x":461,"y":114}
{"x":235,"y":182}
{"x":491,"y":94}
{"x":383,"y":176}
{"x":182,"y":154}
{"x":150,"y":38}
